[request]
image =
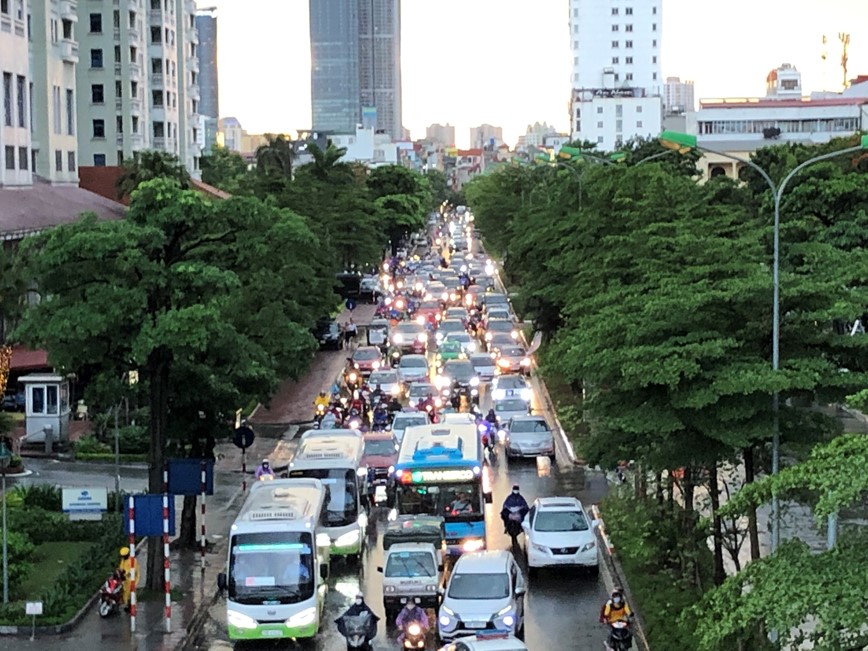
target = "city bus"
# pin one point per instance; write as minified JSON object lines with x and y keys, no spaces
{"x":278,"y":562}
{"x":334,"y":457}
{"x":440,"y":472}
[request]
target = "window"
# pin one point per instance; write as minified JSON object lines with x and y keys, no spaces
{"x":638,"y":109}
{"x":120,"y":158}
{"x":134,"y":89}
{"x":66,"y":27}
{"x":654,"y":10}
{"x":628,"y":28}
{"x":578,"y":112}
{"x":628,"y":11}
{"x":99,"y":160}
{"x":654,"y":76}
{"x":638,"y":124}
{"x":96,"y":23}
{"x":654,"y":27}
{"x":119,"y":124}
{"x":619,"y":110}
{"x":21,"y":89}
{"x":575,"y":61}
{"x":575,"y":45}
{"x":37,"y":402}
{"x":599,"y":140}
{"x":117,"y":53}
{"x":97,"y":94}
{"x":157,"y":35}
{"x":628,"y":60}
{"x":629,"y":76}
{"x":617,"y":77}
{"x":619,"y":125}
{"x":614,"y":28}
{"x":157,"y":97}
{"x":615,"y":45}
{"x":628,"y":44}
{"x":575,"y":13}
{"x":119,"y":90}
{"x":156,"y":66}
{"x":614,"y":11}
{"x":10,"y":157}
{"x":58,"y":160}
{"x":116,"y":19}
{"x":4,"y":7}
{"x":7,"y":99}
{"x":600,"y":124}
{"x":654,"y":59}
{"x":23,"y":158}
{"x":70,"y":113}
{"x":132,"y":19}
{"x":575,"y":29}
{"x":599,"y":110}
{"x":615,"y":61}
{"x":96,"y":58}
{"x":654,"y":43}
{"x":99,"y":128}
{"x":30,"y":110}
{"x":135,"y":124}
{"x":70,"y":159}
{"x":159,"y":130}
{"x":53,"y":27}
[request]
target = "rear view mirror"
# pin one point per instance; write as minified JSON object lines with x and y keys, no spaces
{"x":221,"y":581}
{"x":520,"y":590}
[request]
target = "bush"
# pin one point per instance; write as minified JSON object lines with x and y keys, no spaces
{"x":40,"y":496}
{"x":134,"y":439}
{"x":20,"y":554}
{"x":89,"y":445}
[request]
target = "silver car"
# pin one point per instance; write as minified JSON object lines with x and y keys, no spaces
{"x":388,"y":381}
{"x":485,"y":366}
{"x":418,"y":391}
{"x":406,"y":419}
{"x":510,"y":408}
{"x":413,"y":368}
{"x":529,"y":436}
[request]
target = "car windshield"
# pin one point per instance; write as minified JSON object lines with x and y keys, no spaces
{"x":510,"y":405}
{"x":481,"y":360}
{"x":403,"y":422}
{"x":413,"y":362}
{"x":528,"y":426}
{"x":479,"y":586}
{"x":383,"y":377}
{"x":450,"y":346}
{"x":499,"y":325}
{"x":421,"y":390}
{"x":462,"y":370}
{"x":381,"y":447}
{"x":408,"y":328}
{"x":366,"y":354}
{"x":551,"y":521}
{"x":451,"y":325}
{"x":410,"y":565}
{"x":512,"y":351}
{"x":511,"y":382}
{"x":271,"y":567}
{"x":429,"y":305}
{"x":460,"y":337}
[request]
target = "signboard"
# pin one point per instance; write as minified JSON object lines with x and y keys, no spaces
{"x":85,"y":503}
{"x":243,"y":437}
{"x":149,"y":516}
{"x":437,"y":476}
{"x":185,"y":476}
{"x":33,"y":608}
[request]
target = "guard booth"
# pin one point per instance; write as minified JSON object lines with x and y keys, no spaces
{"x":47,"y":410}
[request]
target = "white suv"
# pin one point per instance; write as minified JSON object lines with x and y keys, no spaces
{"x":560,"y":534}
{"x":485,"y":592}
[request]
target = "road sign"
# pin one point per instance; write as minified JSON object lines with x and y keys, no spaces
{"x":243,"y":437}
{"x":149,"y":516}
{"x":185,"y":476}
{"x":33,"y":608}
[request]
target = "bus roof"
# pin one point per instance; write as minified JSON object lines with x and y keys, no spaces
{"x":341,"y":448}
{"x":297,"y":501}
{"x":446,"y":444}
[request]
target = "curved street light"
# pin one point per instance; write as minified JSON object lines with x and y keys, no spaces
{"x":682,"y":143}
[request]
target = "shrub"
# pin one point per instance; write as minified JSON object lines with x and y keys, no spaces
{"x":90,"y":444}
{"x":40,"y":496}
{"x":20,"y":554}
{"x":134,"y":439}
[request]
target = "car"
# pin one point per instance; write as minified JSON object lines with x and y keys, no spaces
{"x":499,"y":341}
{"x":437,"y":291}
{"x":455,"y":313}
{"x":529,"y":436}
{"x":380,"y":453}
{"x":485,"y":590}
{"x":369,"y":286}
{"x":428,"y":312}
{"x":418,"y":391}
{"x":459,"y":372}
{"x":387,"y":380}
{"x":449,"y":326}
{"x":510,"y":386}
{"x":488,"y":641}
{"x":378,"y":332}
{"x":449,"y":350}
{"x":328,"y":333}
{"x":560,"y":534}
{"x":410,"y":337}
{"x":500,"y":326}
{"x":366,"y":359}
{"x":493,"y":299}
{"x":509,"y":408}
{"x":457,"y":418}
{"x":468,"y":343}
{"x":513,"y":359}
{"x":497,"y":312}
{"x":485,"y":365}
{"x":405,"y":419}
{"x":413,"y":368}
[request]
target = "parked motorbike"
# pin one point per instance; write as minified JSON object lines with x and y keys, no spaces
{"x":111,"y":594}
{"x":620,"y":636}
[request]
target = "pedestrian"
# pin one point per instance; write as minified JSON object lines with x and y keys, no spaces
{"x":125,"y":566}
{"x":353,"y":332}
{"x":347,"y":335}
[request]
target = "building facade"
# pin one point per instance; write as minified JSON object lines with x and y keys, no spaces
{"x":16,"y":118}
{"x":209,"y":86}
{"x":616,"y":77}
{"x":678,"y":96}
{"x":334,"y":53}
{"x":380,"y":63}
{"x":443,"y":134}
{"x":486,"y":136}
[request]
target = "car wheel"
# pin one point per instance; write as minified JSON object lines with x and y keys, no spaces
{"x":532,"y":572}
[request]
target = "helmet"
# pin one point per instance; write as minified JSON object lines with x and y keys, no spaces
{"x":265,"y":461}
{"x":125,"y":551}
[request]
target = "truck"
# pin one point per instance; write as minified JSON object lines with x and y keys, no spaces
{"x":413,"y":563}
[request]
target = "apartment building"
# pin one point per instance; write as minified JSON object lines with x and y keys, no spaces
{"x":15,"y":119}
{"x":486,"y":136}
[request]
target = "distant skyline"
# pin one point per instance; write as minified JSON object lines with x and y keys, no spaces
{"x":507,"y":62}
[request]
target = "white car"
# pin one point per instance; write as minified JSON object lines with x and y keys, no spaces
{"x":492,"y":641}
{"x":418,"y":391}
{"x":506,"y":410}
{"x":413,"y":368}
{"x":560,"y":534}
{"x":457,"y":418}
{"x":510,"y":386}
{"x":388,"y":381}
{"x":405,"y":419}
{"x":485,"y":365}
{"x":485,"y":590}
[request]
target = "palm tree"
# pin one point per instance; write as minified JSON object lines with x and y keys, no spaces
{"x":325,"y":163}
{"x":276,"y":156}
{"x":148,"y":165}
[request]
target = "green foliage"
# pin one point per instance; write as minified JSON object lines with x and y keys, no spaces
{"x":7,"y":422}
{"x":149,"y":165}
{"x":20,"y":553}
{"x":439,"y":186}
{"x":91,"y":445}
{"x":403,"y":198}
{"x":40,"y":496}
{"x":226,"y":170}
{"x":12,"y":291}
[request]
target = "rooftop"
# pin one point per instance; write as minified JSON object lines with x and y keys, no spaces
{"x":762,"y":102}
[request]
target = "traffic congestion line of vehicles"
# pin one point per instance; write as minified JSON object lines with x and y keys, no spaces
{"x":403,"y":431}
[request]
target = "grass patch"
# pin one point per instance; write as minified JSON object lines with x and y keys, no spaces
{"x":50,"y":561}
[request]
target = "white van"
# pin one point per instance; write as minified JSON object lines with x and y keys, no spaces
{"x":493,"y":641}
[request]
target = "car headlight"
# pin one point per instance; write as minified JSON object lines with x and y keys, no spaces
{"x":376,"y":364}
{"x":589,"y":546}
{"x":420,"y":320}
{"x":438,"y":317}
{"x":474,"y":381}
{"x":444,"y":296}
{"x":422,"y":337}
{"x":445,"y":620}
{"x":439,"y":337}
{"x":540,"y":548}
{"x":473,"y":545}
{"x":526,"y":394}
{"x":350,"y":538}
{"x":504,"y":363}
{"x":514,"y":334}
{"x":438,"y":402}
{"x":389,"y":589}
{"x":488,"y":336}
{"x":508,"y":620}
{"x":398,"y":338}
{"x":240,"y":620}
{"x":474,"y":392}
{"x":302,"y":618}
{"x":355,"y":365}
{"x":525,"y":362}
{"x":471,"y":346}
{"x":396,"y":390}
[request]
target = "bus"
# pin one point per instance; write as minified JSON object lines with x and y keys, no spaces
{"x":440,"y":472}
{"x":334,"y":456}
{"x":278,"y":562}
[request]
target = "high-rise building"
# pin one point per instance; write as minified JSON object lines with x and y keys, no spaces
{"x":443,"y":134}
{"x":616,"y":78}
{"x":356,"y":65}
{"x":16,"y":161}
{"x":486,"y":136}
{"x":144,"y":57}
{"x":334,"y":53}
{"x":206,"y":25}
{"x":678,"y":96}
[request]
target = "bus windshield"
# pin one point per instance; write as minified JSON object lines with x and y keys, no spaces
{"x":451,"y":501}
{"x":342,"y":497}
{"x":271,"y":568}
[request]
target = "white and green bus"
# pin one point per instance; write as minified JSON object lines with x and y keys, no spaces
{"x":335,"y":458}
{"x":278,"y":562}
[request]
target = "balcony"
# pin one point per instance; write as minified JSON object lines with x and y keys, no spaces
{"x":68,"y":10}
{"x":135,"y":106}
{"x":134,"y":33}
{"x":159,"y":142}
{"x":156,"y":78}
{"x":193,"y":91}
{"x":120,"y":140}
{"x":194,"y":36}
{"x":156,"y":16}
{"x":193,"y":64}
{"x":69,"y":51}
{"x":135,"y":71}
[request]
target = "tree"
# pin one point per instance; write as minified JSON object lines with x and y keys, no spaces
{"x":201,"y":299}
{"x":276,"y":156}
{"x":327,"y":163}
{"x":639,"y":149}
{"x":403,"y":197}
{"x":225,"y":170}
{"x":439,"y":185}
{"x":149,"y":165}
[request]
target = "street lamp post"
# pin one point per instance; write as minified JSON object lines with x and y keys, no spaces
{"x":683,"y":143}
{"x":5,"y":460}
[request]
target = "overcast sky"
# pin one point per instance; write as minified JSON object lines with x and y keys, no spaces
{"x":508,"y":62}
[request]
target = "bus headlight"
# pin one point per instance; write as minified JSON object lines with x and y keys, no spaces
{"x":240,"y":620}
{"x":302,"y":618}
{"x":347,"y":539}
{"x":322,"y":540}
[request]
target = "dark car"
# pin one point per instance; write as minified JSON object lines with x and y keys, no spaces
{"x":328,"y":334}
{"x":13,"y":401}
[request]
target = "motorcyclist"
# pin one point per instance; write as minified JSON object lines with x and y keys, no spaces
{"x":356,"y":609}
{"x":394,"y":405}
{"x":124,"y":567}
{"x":377,"y":394}
{"x":491,"y":417}
{"x":380,"y":415}
{"x":410,"y":613}
{"x":616,"y":609}
{"x":322,"y":400}
{"x":429,"y":406}
{"x":264,"y":470}
{"x":514,"y":503}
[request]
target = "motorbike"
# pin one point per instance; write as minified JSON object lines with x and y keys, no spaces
{"x":111,"y":594}
{"x":354,"y":420}
{"x":486,"y":431}
{"x":620,"y":636}
{"x":320,"y":412}
{"x":513,"y":524}
{"x":414,"y":636}
{"x":266,"y":476}
{"x":356,"y":630}
{"x":395,"y":358}
{"x":381,"y":419}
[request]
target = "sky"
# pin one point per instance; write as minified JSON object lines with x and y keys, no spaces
{"x":508,"y":62}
